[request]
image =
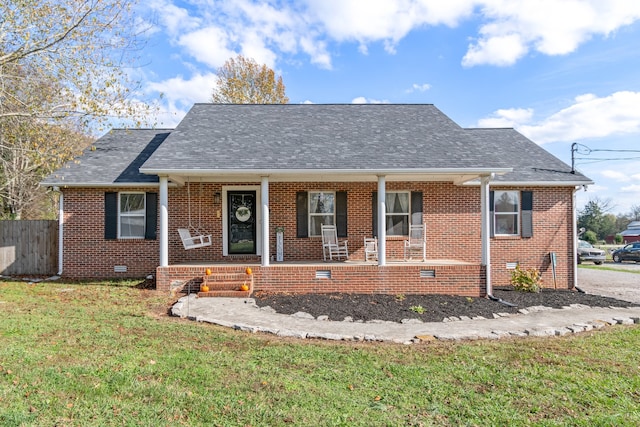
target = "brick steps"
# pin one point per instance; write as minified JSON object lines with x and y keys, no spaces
{"x":225,"y":294}
{"x":227,"y":285}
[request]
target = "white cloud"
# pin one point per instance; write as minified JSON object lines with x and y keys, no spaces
{"x":507,"y":118}
{"x":500,"y":51}
{"x":179,"y":94}
{"x":174,"y":19}
{"x":589,"y":117}
{"x":635,"y":188}
{"x":384,"y":20}
{"x":211,"y":32}
{"x":418,"y":88}
{"x":208,"y":45}
{"x":363,"y":100}
{"x":615,"y":175}
{"x":550,"y":27}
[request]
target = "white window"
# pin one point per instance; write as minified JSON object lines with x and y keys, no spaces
{"x":397,"y":213}
{"x":131,"y":215}
{"x":506,"y":206}
{"x":322,"y":210}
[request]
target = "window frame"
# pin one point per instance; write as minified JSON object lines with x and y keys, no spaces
{"x":389,"y":212}
{"x":311,"y":214}
{"x":122,"y":215}
{"x":502,"y":214}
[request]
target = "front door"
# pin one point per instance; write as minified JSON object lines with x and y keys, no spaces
{"x":241,"y":211}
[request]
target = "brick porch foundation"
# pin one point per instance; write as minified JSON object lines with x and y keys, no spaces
{"x":393,"y":279}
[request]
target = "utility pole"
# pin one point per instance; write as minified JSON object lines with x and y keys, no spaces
{"x":574,"y":148}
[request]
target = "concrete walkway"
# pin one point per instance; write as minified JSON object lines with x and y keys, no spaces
{"x":245,"y":315}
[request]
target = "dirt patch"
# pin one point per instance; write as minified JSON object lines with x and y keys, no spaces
{"x":428,"y":308}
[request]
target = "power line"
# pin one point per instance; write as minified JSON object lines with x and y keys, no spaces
{"x":582,"y":149}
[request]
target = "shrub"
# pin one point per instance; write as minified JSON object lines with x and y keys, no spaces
{"x":618,"y":239}
{"x":590,"y":236}
{"x":526,"y":280}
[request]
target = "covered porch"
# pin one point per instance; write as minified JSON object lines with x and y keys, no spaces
{"x":302,"y":270}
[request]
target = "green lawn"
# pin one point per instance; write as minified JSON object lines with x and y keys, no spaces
{"x":106,"y":354}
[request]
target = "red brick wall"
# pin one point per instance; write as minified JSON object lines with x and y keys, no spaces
{"x":466,"y":279}
{"x":552,"y":232}
{"x":86,"y":252}
{"x":451,"y":214}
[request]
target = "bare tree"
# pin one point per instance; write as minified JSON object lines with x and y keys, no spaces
{"x":79,"y":47}
{"x":62,"y":69}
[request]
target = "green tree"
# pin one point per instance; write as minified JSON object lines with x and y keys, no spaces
{"x":590,"y":237}
{"x":243,"y":81}
{"x":593,"y":217}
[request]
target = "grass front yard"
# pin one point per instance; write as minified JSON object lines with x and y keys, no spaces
{"x":107,"y":354}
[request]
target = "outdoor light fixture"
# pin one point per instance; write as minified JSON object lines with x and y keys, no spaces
{"x":216,"y":197}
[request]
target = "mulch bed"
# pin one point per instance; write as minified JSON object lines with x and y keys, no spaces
{"x":435,"y":308}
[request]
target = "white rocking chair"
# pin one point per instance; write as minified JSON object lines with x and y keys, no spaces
{"x":331,"y":245}
{"x":370,"y":249}
{"x":193,"y":242}
{"x":417,"y":242}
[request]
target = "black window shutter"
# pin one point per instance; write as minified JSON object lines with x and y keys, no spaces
{"x":302,"y":215}
{"x":151,"y":220}
{"x":374,"y":213}
{"x":341,"y":213}
{"x":492,"y":220}
{"x":416,"y":207}
{"x":527,"y":213}
{"x":110,"y":216}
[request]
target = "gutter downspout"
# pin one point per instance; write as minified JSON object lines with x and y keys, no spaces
{"x":485,"y":235}
{"x":574,"y":228}
{"x":60,"y":231}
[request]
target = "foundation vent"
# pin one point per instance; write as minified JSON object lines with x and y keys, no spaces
{"x":119,"y":268}
{"x":427,"y":274}
{"x":323,"y":274}
{"x":512,"y":265}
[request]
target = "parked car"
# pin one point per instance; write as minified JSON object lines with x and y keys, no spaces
{"x":630,"y":252}
{"x":586,"y":252}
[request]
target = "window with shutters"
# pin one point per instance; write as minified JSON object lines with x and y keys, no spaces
{"x":131,"y":215}
{"x":321,"y":211}
{"x":397,"y":213}
{"x":506,"y":205}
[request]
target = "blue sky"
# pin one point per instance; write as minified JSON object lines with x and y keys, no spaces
{"x":559,"y":71}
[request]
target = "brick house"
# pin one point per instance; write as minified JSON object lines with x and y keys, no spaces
{"x":490,"y":199}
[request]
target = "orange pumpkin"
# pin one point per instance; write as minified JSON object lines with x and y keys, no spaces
{"x":204,"y":288}
{"x":207,"y":272}
{"x":244,"y":287}
{"x":248,"y":270}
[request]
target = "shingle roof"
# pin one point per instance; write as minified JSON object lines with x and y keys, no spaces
{"x":530,"y":162}
{"x":342,"y":137}
{"x":214,"y":138}
{"x":114,"y":159}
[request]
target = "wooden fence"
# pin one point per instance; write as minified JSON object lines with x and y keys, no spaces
{"x":28,"y":247}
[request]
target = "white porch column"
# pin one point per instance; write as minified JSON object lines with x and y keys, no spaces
{"x":382,"y":222}
{"x":485,"y":232}
{"x":264,"y":196}
{"x":164,"y":221}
